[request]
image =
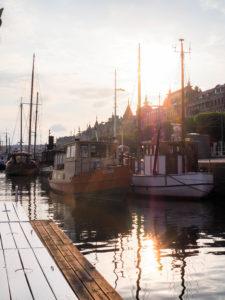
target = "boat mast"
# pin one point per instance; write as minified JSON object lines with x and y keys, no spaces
{"x":21,"y":126}
{"x":6,"y":142}
{"x":156,"y":155}
{"x":9,"y":146}
{"x":31,"y":104}
{"x":115,"y":107}
{"x":182,"y":103}
{"x":35,"y":128}
{"x":139,"y":109}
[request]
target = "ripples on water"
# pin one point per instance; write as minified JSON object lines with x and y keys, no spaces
{"x":146,"y":249}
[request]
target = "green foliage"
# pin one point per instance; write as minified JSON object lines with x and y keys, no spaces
{"x":212,"y":123}
{"x":190,"y":125}
{"x":130,"y":139}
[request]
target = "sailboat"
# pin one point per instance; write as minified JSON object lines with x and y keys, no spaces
{"x":170,"y":169}
{"x":20,"y":162}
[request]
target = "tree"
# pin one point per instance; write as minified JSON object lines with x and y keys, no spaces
{"x":212,"y":123}
{"x":190,"y":124}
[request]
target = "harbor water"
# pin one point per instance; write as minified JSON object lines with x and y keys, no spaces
{"x":146,"y":249}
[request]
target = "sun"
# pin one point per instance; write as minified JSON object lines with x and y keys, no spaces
{"x":160,"y":71}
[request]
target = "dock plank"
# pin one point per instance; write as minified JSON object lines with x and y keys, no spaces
{"x":19,"y":237}
{"x":27,"y":269}
{"x":4,"y":287}
{"x":20,"y":212}
{"x":60,"y":260}
{"x":60,"y":287}
{"x":68,"y":257}
{"x":17,"y":278}
{"x":3,"y":214}
{"x":111,"y":293}
{"x":36,"y":278}
{"x":12,"y":216}
{"x":6,"y":236}
{"x":31,"y":235}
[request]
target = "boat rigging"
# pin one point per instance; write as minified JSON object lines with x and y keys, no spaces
{"x":170,"y":169}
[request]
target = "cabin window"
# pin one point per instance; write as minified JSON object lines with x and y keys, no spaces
{"x":20,"y":159}
{"x":94,"y":152}
{"x":72,"y":153}
{"x":68,"y":152}
{"x":84,"y":151}
{"x":101,"y":150}
{"x":58,"y":159}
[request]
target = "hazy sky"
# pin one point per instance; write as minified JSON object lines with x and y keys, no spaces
{"x":78,"y":45}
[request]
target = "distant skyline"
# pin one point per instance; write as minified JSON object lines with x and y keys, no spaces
{"x":78,"y":44}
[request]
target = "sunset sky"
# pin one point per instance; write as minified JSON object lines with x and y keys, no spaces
{"x":78,"y":45}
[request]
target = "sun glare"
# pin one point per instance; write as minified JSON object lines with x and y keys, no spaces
{"x":160,"y":71}
{"x":149,"y":255}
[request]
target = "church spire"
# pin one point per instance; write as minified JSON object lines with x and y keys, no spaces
{"x":128,"y":112}
{"x":96,"y":122}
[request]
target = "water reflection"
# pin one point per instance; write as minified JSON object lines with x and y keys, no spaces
{"x":138,"y":264}
{"x":145,"y":249}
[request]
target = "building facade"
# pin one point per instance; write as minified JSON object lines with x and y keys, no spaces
{"x":212,"y":100}
{"x":172,"y":103}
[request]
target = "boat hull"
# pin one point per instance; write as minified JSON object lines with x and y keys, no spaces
{"x":2,"y":167}
{"x":23,"y":170}
{"x":46,"y":170}
{"x":190,"y":185}
{"x":112,"y":179}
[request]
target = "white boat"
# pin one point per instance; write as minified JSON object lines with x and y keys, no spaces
{"x":170,"y":169}
{"x":189,"y":184}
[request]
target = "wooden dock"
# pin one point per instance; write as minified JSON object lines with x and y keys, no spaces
{"x":38,"y":261}
{"x":84,"y":279}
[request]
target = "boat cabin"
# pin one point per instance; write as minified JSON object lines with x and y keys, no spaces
{"x":59,"y":159}
{"x":169,"y":159}
{"x":20,"y":157}
{"x":85,"y":156}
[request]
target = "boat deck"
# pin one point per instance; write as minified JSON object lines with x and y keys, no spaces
{"x":43,"y":265}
